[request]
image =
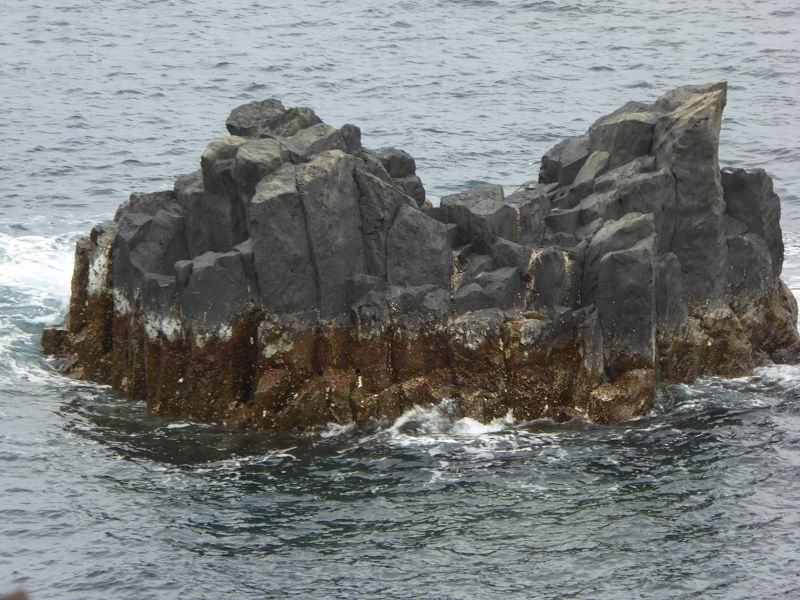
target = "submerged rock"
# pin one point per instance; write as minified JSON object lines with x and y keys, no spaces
{"x":298,"y":278}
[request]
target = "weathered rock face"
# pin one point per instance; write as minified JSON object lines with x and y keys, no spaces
{"x":298,"y":278}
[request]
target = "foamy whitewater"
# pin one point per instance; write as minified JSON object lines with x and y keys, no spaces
{"x":100,"y":500}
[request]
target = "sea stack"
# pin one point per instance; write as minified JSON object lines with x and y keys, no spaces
{"x":298,"y":278}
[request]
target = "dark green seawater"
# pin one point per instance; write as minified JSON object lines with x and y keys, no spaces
{"x":99,"y":500}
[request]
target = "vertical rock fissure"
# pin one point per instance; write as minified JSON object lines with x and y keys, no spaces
{"x":252,"y":380}
{"x":361,"y":199}
{"x":504,"y":339}
{"x":671,"y":247}
{"x":145,"y":361}
{"x":317,"y":328}
{"x":360,"y":218}
{"x":160,"y":378}
{"x":311,"y":251}
{"x":392,"y":220}
{"x":351,"y":401}
{"x":392,"y":330}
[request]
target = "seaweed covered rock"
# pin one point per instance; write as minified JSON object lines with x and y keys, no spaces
{"x":298,"y":278}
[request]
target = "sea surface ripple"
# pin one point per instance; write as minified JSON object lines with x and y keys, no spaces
{"x":99,"y":500}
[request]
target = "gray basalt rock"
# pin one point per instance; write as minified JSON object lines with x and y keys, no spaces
{"x":686,"y":141}
{"x":247,"y":120}
{"x":352,"y":138}
{"x":147,"y":239}
{"x":471,"y":297}
{"x":256,"y":159}
{"x":315,"y":139}
{"x":374,"y":166}
{"x":216,"y":288}
{"x":398,"y":163}
{"x":482,"y":215}
{"x":632,"y":230}
{"x":548,"y":271}
{"x":622,"y":136}
{"x":269,"y":118}
{"x":671,"y":309}
{"x":610,"y":180}
{"x":412,"y":185}
{"x":417,"y":250}
{"x":531,"y":203}
{"x":750,"y":271}
{"x":214,"y":221}
{"x":297,"y":278}
{"x":563,"y":163}
{"x":379,"y":203}
{"x":217,"y":163}
{"x":626,"y":307}
{"x":510,"y":254}
{"x":330,"y":204}
{"x":750,"y":199}
{"x":397,"y":168}
{"x":595,"y":165}
{"x":504,"y":286}
{"x":285,"y":269}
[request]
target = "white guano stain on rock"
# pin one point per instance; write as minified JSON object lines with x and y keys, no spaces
{"x":156,"y":325}
{"x":281,"y":345}
{"x":99,"y":262}
{"x":222,"y":333}
{"x":122,"y":304}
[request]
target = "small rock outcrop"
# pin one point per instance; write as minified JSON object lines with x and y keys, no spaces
{"x":298,"y":278}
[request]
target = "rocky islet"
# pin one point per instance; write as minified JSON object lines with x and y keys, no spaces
{"x":299,"y":278}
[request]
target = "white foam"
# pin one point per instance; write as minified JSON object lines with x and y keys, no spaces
{"x":784,"y":375}
{"x":35,"y":273}
{"x":441,"y":424}
{"x":334,"y":430}
{"x":37,"y":265}
{"x":469,"y":427}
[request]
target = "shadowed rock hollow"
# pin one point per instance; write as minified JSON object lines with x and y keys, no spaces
{"x":298,"y":278}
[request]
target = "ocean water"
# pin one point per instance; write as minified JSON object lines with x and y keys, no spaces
{"x":99,"y":500}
